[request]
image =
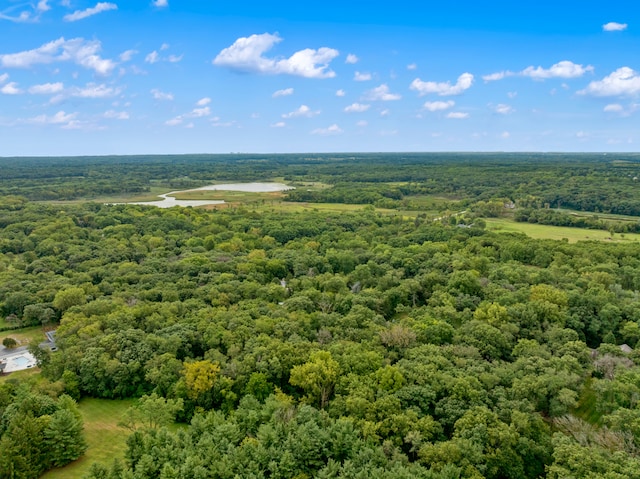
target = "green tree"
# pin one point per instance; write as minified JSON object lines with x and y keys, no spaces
{"x":317,"y":377}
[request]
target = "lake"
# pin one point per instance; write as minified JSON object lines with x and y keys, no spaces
{"x":168,"y":201}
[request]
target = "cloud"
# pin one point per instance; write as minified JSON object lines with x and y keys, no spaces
{"x":199,"y":112}
{"x":127,"y":55}
{"x":463,"y":83}
{"x":78,"y":50}
{"x":351,"y":59}
{"x":497,"y":76}
{"x":195,"y":113}
{"x":10,"y":89}
{"x":357,"y":108}
{"x":175,"y":58}
{"x":412,"y":66}
{"x":457,"y":115}
{"x":385,"y":112}
{"x":613,"y":108}
{"x":246,"y":55}
{"x":439,"y":105}
{"x":614,"y":27}
{"x":563,"y":69}
{"x":303,"y":111}
{"x":4,"y":77}
{"x":42,"y":6}
{"x":160,"y":3}
{"x":503,"y":109}
{"x":622,"y":82}
{"x":341,"y":93}
{"x":280,"y":124}
{"x":362,"y":76}
{"x":159,"y":95}
{"x":82,"y":14}
{"x":285,"y":92}
{"x":152,"y":57}
{"x":60,"y":118}
{"x":203,"y":101}
{"x":46,"y":88}
{"x":362,"y":123}
{"x":512,"y":94}
{"x":93,"y":90}
{"x":116,"y":115}
{"x":381,"y":93}
{"x":332,"y":130}
{"x":505,"y":135}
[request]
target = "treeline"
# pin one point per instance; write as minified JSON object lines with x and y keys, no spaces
{"x":559,"y":218}
{"x":331,"y":345}
{"x":585,"y":182}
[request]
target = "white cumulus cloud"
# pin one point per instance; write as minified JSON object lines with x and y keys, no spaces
{"x":412,"y":66}
{"x":246,"y":55}
{"x":458,"y":115}
{"x":283,"y":92}
{"x":503,"y":109}
{"x":341,"y":93}
{"x":622,"y":82}
{"x":10,"y":89}
{"x":303,"y":111}
{"x":127,"y":55}
{"x":78,"y":50}
{"x":60,"y":118}
{"x":160,"y":3}
{"x":160,"y":95}
{"x":279,"y":124}
{"x":362,"y":76}
{"x":613,"y":108}
{"x":563,"y":69}
{"x":463,"y":83}
{"x":439,"y":105}
{"x":357,"y":108}
{"x":381,"y":93}
{"x":331,"y":130}
{"x":203,"y":101}
{"x":116,"y":115}
{"x":82,"y":14}
{"x":43,"y":6}
{"x":46,"y":88}
{"x":351,"y":59}
{"x":152,"y":57}
{"x":4,"y":77}
{"x":614,"y":27}
{"x":497,"y":76}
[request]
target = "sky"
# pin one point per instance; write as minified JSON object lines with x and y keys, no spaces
{"x":202,"y":76}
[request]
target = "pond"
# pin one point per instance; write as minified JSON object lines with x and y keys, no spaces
{"x":168,"y":200}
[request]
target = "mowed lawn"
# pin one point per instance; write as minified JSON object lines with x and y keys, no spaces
{"x":105,"y":438}
{"x":538,"y":231}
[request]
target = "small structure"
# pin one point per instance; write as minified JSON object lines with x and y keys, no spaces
{"x":625,"y":348}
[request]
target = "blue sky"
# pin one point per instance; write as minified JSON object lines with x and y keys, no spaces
{"x":185,"y":76}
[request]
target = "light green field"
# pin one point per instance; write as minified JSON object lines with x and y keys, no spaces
{"x":25,"y":336}
{"x":573,"y":235}
{"x":105,"y":438}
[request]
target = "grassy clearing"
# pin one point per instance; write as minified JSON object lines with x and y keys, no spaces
{"x":106,"y":439}
{"x":601,"y":216}
{"x":21,"y":377}
{"x":573,"y":235}
{"x":586,"y":409}
{"x":25,"y":336}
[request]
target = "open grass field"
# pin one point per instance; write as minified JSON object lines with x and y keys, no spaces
{"x":25,"y":336}
{"x":105,"y":438}
{"x":573,"y":235}
{"x":25,"y":376}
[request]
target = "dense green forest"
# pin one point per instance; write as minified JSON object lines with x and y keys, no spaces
{"x":322,"y":344}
